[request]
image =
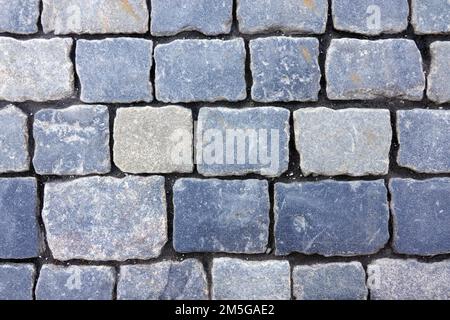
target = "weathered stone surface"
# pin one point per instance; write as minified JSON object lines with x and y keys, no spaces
{"x":365,"y":70}
{"x":91,"y":17}
{"x":285,"y":69}
{"x":19,"y":16}
{"x":19,"y":230}
{"x":75,"y":283}
{"x":37,"y":69}
{"x":72,"y":141}
{"x":14,"y":156}
{"x":438,"y":89}
{"x":234,"y":279}
{"x":153,"y":140}
{"x":105,"y":218}
{"x":331,"y":281}
{"x":352,"y":142}
{"x":238,"y":142}
{"x":291,"y":16}
{"x":421,"y":213}
{"x":210,"y":17}
{"x":391,"y":279}
{"x":430,"y":16}
{"x":167,"y":280}
{"x":115,"y":70}
{"x":370,"y":17}
{"x":200,"y":70}
{"x":331,"y":218}
{"x":221,"y":216}
{"x":424,"y":138}
{"x":16,"y":281}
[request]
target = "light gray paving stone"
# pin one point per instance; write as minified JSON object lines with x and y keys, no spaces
{"x":430,"y":16}
{"x":16,"y":281}
{"x":438,"y":79}
{"x":19,"y":16}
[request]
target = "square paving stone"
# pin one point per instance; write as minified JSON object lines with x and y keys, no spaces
{"x":430,"y":16}
{"x":19,"y":16}
{"x":438,"y":79}
{"x":16,"y":281}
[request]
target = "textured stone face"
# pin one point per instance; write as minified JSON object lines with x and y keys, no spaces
{"x":318,"y":217}
{"x":252,"y":140}
{"x":115,"y":70}
{"x":167,"y":280}
{"x":38,"y":69}
{"x":430,"y":16}
{"x":200,"y":70}
{"x":153,"y":140}
{"x":234,"y":279}
{"x":72,"y":141}
{"x":104,"y":218}
{"x":424,"y":138}
{"x":16,"y":281}
{"x":421,"y":211}
{"x":285,"y":69}
{"x":221,"y":216}
{"x":210,"y":17}
{"x":391,"y":279}
{"x":353,"y":142}
{"x":75,"y":283}
{"x":365,"y":70}
{"x":438,"y":78}
{"x":19,"y":16}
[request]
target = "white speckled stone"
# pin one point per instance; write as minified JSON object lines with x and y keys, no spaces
{"x":16,"y":281}
{"x":438,"y":89}
{"x":19,"y":16}
{"x":430,"y":16}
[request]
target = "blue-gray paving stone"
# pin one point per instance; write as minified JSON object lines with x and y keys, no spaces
{"x":430,"y":16}
{"x":374,"y":69}
{"x":19,"y":229}
{"x":16,"y":281}
{"x":19,"y":16}
{"x":210,"y":17}
{"x":75,"y":283}
{"x":200,"y":70}
{"x":331,"y":281}
{"x":221,"y":216}
{"x":72,"y":141}
{"x":115,"y":70}
{"x":285,"y":69}
{"x":167,"y":280}
{"x":290,"y":16}
{"x":421,"y":213}
{"x":252,"y":140}
{"x":318,"y":217}
{"x":438,"y":89}
{"x":424,"y":139}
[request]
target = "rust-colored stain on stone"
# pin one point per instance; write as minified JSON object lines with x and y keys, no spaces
{"x":355,"y":78}
{"x":307,"y":55}
{"x":310,"y":4}
{"x":129,"y":9}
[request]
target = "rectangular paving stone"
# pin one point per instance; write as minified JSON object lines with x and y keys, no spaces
{"x":105,"y":218}
{"x":115,"y":70}
{"x":430,"y":16}
{"x":167,"y":280}
{"x":421,"y":215}
{"x":72,"y":141}
{"x":38,"y":69}
{"x":221,"y":216}
{"x":75,"y":283}
{"x":200,"y":70}
{"x":353,"y":142}
{"x":16,"y":281}
{"x":331,"y":218}
{"x":285,"y":69}
{"x":374,"y":69}
{"x":239,"y":142}
{"x":19,"y":16}
{"x":438,"y":89}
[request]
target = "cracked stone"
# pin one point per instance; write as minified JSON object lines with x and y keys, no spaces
{"x":430,"y":16}
{"x":438,"y":79}
{"x":19,"y":16}
{"x":16,"y":281}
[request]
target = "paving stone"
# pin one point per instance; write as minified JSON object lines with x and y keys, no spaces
{"x":430,"y":16}
{"x":239,"y":142}
{"x":105,"y":218}
{"x":352,"y":142}
{"x":285,"y":69}
{"x":424,"y":138}
{"x":370,"y":17}
{"x":13,"y":140}
{"x":19,"y":230}
{"x":115,"y":70}
{"x":394,"y":279}
{"x":153,"y":140}
{"x":19,"y":16}
{"x":331,"y":281}
{"x":95,"y":17}
{"x":200,"y":70}
{"x":72,"y":141}
{"x":16,"y":281}
{"x":221,"y":216}
{"x":290,"y":16}
{"x":167,"y":280}
{"x":318,"y":217}
{"x":210,"y":17}
{"x":438,"y":79}
{"x":37,"y":69}
{"x":234,"y":279}
{"x":374,"y":69}
{"x":421,"y":213}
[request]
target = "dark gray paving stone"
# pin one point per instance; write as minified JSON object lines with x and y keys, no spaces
{"x":438,"y":89}
{"x":430,"y":16}
{"x":19,"y":16}
{"x":16,"y":281}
